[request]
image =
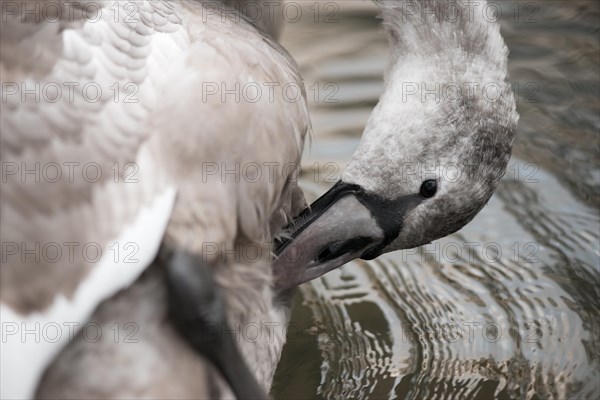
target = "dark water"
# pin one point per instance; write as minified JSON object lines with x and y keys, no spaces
{"x":507,"y":308}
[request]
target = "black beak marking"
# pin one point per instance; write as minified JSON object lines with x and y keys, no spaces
{"x":389,"y":215}
{"x":314,"y":211}
{"x":341,"y":247}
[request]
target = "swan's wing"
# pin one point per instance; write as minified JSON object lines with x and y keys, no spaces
{"x":84,"y":204}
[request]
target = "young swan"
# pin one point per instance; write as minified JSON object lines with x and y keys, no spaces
{"x":433,"y":151}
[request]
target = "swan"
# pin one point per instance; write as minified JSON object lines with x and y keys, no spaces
{"x":378,"y":206}
{"x":432,"y":152}
{"x":117,"y":154}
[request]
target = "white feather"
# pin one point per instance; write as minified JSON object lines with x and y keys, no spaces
{"x":25,"y":356}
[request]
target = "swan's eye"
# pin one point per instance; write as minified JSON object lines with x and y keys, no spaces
{"x":428,"y":188}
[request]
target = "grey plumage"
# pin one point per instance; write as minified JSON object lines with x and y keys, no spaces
{"x":173,"y":132}
{"x":169,"y":132}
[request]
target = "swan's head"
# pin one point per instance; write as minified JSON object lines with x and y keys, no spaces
{"x":426,"y":165}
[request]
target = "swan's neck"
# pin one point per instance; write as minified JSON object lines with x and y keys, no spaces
{"x":451,"y":32}
{"x":447,"y":58}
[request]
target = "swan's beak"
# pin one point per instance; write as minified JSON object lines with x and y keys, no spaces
{"x":343,"y":224}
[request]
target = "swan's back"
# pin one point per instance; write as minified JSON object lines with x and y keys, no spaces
{"x":136,"y":139}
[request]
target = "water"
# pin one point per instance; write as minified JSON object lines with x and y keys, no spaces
{"x":506,"y":308}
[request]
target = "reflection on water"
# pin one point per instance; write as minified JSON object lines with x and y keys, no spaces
{"x":509,"y":306}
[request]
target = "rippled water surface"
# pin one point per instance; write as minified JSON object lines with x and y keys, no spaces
{"x":506,"y":308}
